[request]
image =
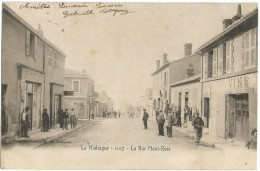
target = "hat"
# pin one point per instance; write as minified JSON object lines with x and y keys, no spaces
{"x":26,"y":108}
{"x":144,"y":109}
{"x":170,"y":109}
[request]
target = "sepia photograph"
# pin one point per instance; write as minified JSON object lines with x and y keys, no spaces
{"x":129,"y":85}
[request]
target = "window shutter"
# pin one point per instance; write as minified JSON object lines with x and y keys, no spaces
{"x":228,"y":57}
{"x":220,"y":60}
{"x":232,"y":56}
{"x":35,"y":47}
{"x":27,"y":43}
{"x":215,"y":62}
{"x":205,"y":57}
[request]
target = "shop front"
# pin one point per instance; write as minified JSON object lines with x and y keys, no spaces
{"x":31,"y":85}
{"x":231,"y":105}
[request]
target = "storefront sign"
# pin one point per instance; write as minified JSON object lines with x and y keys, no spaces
{"x":238,"y":82}
{"x":30,"y":75}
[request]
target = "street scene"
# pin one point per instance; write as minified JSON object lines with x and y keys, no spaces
{"x":129,"y":85}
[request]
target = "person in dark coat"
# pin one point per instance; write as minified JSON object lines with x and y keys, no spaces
{"x":25,"y":122}
{"x":160,"y":121}
{"x":45,"y":120}
{"x":170,"y":120}
{"x":145,"y":118}
{"x":61,"y":118}
{"x":65,"y":119}
{"x":198,"y":124}
{"x":178,"y":118}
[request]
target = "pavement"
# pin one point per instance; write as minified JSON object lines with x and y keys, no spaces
{"x":123,"y":144}
{"x":38,"y":138}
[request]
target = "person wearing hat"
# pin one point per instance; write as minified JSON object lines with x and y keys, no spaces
{"x":170,"y":120}
{"x":145,"y":118}
{"x":25,"y":122}
{"x":65,"y":119}
{"x":45,"y":120}
{"x":198,"y":126}
{"x":160,"y":121}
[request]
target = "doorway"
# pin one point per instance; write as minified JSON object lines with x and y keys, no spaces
{"x":57,"y":107}
{"x":206,"y":112}
{"x":179,"y":103}
{"x":4,"y":120}
{"x":238,"y":116}
{"x":30,"y":105}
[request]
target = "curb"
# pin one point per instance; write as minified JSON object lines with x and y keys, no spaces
{"x":48,"y":141}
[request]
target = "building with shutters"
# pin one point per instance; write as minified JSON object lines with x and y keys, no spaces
{"x":28,"y":80}
{"x":79,"y":93}
{"x":229,"y":78}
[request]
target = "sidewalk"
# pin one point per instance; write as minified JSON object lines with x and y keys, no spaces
{"x":211,"y":141}
{"x":36,"y":136}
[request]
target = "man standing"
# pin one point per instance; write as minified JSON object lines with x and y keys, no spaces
{"x":160,"y":121}
{"x":76,"y":116}
{"x":170,"y":120}
{"x":25,"y":122}
{"x":61,"y":118}
{"x":145,"y":118}
{"x":72,"y":118}
{"x":65,"y":119}
{"x":198,"y":126}
{"x":45,"y":120}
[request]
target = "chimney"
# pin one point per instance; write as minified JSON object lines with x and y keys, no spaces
{"x":187,"y":49}
{"x":165,"y":58}
{"x":39,"y":30}
{"x":158,"y":64}
{"x":239,"y":14}
{"x":226,"y":23}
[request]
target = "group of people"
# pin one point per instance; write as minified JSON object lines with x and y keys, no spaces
{"x":66,"y":117}
{"x":174,"y":118}
{"x":63,"y":118}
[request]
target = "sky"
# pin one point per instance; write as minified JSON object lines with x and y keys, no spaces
{"x":120,"y":51}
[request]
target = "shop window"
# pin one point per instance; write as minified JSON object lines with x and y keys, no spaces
{"x":250,"y":48}
{"x":30,"y":44}
{"x":76,"y":86}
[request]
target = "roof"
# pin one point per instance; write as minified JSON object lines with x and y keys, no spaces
{"x":228,"y":29}
{"x":73,"y":73}
{"x":167,"y":64}
{"x":187,"y":80}
{"x":161,"y":68}
{"x":10,"y":11}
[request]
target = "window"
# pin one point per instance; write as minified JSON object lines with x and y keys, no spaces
{"x":30,"y":44}
{"x":250,"y":48}
{"x":76,"y":86}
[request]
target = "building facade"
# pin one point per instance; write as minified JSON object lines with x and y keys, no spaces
{"x":185,"y":86}
{"x":161,"y":85}
{"x":229,"y":78}
{"x":79,"y":93}
{"x":23,"y":72}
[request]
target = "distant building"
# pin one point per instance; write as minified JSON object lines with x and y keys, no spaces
{"x":28,"y":80}
{"x":229,"y":78}
{"x":79,"y":92}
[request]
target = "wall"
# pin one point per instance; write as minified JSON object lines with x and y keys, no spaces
{"x":216,"y":91}
{"x":13,"y":52}
{"x":85,"y":89}
{"x":178,"y":68}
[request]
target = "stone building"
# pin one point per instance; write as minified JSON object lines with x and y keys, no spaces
{"x":25,"y":75}
{"x":229,"y":78}
{"x":79,"y":93}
